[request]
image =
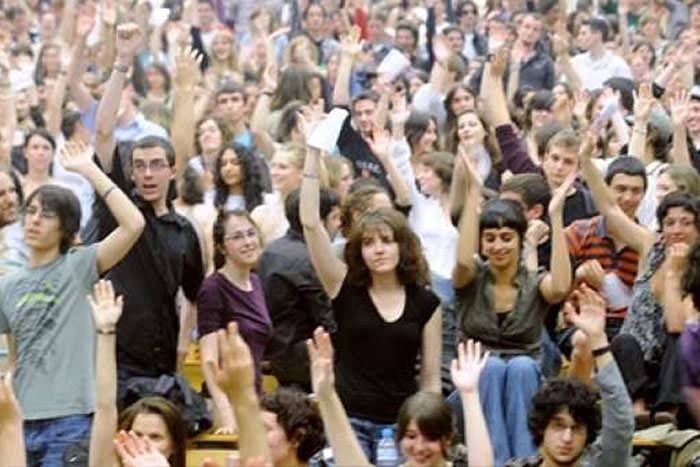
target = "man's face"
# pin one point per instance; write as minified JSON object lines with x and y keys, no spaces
{"x":529,"y":31}
{"x":9,"y":202}
{"x":42,"y":227}
{"x":404,"y":40}
{"x":375,"y":30}
{"x":22,"y":105}
{"x":693,"y":122}
{"x":695,"y":17}
{"x":231,"y":106}
{"x":587,"y":38}
{"x":456,"y":41}
{"x":206,"y":14}
{"x":564,"y":439}
{"x":628,"y":191}
{"x":39,"y":154}
{"x":363,"y":115}
{"x":151,"y":173}
{"x":558,"y":163}
{"x":314,"y":18}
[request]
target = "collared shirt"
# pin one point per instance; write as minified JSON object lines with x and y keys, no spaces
{"x":588,"y":239}
{"x":521,"y":328}
{"x":297,"y":305}
{"x":537,"y":72}
{"x":594,"y":73}
{"x":165,"y":258}
{"x":138,"y":128}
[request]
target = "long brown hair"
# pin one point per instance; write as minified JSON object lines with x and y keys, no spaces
{"x":171,"y":417}
{"x":412,"y":268}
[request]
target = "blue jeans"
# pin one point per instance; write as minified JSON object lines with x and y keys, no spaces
{"x":46,"y":440}
{"x":368,"y":435}
{"x":506,"y":388}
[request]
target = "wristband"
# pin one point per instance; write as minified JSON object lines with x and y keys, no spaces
{"x":601,"y":351}
{"x":107,"y":332}
{"x":107,"y":192}
{"x":121,"y":68}
{"x":314,"y":176}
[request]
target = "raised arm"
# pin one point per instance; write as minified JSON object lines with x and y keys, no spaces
{"x":467,"y":244}
{"x":679,"y":115}
{"x":556,"y":285}
{"x":350,"y":46}
{"x":431,"y":351}
{"x":54,"y":105}
{"x":346,"y":449}
{"x":182,"y":128}
{"x":560,"y":44}
{"x":495,"y":104}
{"x":107,"y":53}
{"x":8,"y":117}
{"x":258,"y":123}
{"x":11,"y":426}
{"x":66,"y":29}
{"x":633,"y":234}
{"x":74,"y":70}
{"x":331,"y":271}
{"x":465,"y":371}
{"x":106,"y":310}
{"x":209,"y":350}
{"x":644,"y":103}
{"x":235,"y":375}
{"x":128,"y":42}
{"x":380,"y":146}
{"x":130,"y":222}
{"x":676,"y":308}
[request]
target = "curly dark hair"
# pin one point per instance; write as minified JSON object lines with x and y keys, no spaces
{"x":251,"y":174}
{"x":564,"y":393}
{"x":299,"y":418}
{"x":412,"y":268}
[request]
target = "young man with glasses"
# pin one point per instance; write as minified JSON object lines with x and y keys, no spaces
{"x":475,"y":44}
{"x":43,"y":307}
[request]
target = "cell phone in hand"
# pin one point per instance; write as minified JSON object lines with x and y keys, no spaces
{"x":605,"y":115}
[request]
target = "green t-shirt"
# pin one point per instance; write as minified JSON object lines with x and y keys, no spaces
{"x":46,"y":310}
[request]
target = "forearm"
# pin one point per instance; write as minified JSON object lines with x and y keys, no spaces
{"x":107,"y":118}
{"x":54,"y":109}
{"x":638,"y":141}
{"x":494,"y":99}
{"x":108,"y":51}
{"x":599,"y":190}
{"x":382,"y":111}
{"x":397,"y":182}
{"x":258,"y":126}
{"x":679,"y":152}
{"x":341,"y":437}
{"x":439,"y":78}
{"x":252,"y":438}
{"x":341,"y":90}
{"x":674,"y":314}
{"x":182,"y":128}
{"x":475,"y":430}
{"x":8,"y":120}
{"x":560,"y":264}
{"x":622,"y":130}
{"x":104,"y":424}
{"x":530,"y":256}
{"x":188,"y":322}
{"x":567,"y":68}
{"x":12,"y":444}
{"x":514,"y":150}
{"x":467,"y":242}
{"x":67,"y":27}
{"x":126,"y":214}
{"x":310,"y":195}
{"x":513,"y":81}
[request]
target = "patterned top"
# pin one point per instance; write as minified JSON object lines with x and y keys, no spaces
{"x":645,"y":320}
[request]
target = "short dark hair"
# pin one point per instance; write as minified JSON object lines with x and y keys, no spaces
{"x":431,"y":414}
{"x":153,"y":141}
{"x":532,"y":188}
{"x":679,"y":199}
{"x":626,"y":165}
{"x":499,"y":213}
{"x":43,"y":133}
{"x":599,"y":25}
{"x":229,"y":87}
{"x":564,"y":393}
{"x":66,"y":205}
{"x":300,"y":420}
{"x":410,"y":28}
{"x":417,"y":124}
{"x":69,"y":123}
{"x":625,"y":87}
{"x":312,"y":4}
{"x":328,"y":200}
{"x":367,"y":95}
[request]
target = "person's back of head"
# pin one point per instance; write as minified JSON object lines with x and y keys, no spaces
{"x":532,"y":189}
{"x":328,"y":200}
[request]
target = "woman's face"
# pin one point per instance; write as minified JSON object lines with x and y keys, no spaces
{"x":9,"y":201}
{"x":540,"y":117}
{"x":241,"y":242}
{"x":155,"y":79}
{"x":414,"y":85}
{"x":221,"y":47}
{"x":418,"y":450}
{"x":302,"y":53}
{"x":152,"y":427}
{"x":316,"y":88}
{"x":231,"y":171}
{"x":39,"y":153}
{"x":380,"y":251}
{"x":501,"y":246}
{"x":284,"y":174}
{"x":646,"y":53}
{"x":52,"y":58}
{"x":470,"y":130}
{"x":281,"y":450}
{"x":428,"y":181}
{"x":210,"y":137}
{"x":462,"y":101}
{"x":664,"y":186}
{"x":346,"y":179}
{"x":561,"y":97}
{"x":426,"y":142}
{"x":679,"y":227}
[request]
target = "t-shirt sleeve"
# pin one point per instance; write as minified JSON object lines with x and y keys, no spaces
{"x":4,"y":322}
{"x":479,"y":267}
{"x":210,"y":308}
{"x":194,"y":269}
{"x":431,"y":301}
{"x":84,"y":265}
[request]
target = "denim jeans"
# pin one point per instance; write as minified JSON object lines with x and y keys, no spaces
{"x":369,"y":434}
{"x":506,"y":388}
{"x":46,"y":440}
{"x":446,"y":293}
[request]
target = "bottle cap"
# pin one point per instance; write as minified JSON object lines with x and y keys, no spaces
{"x":387,"y":432}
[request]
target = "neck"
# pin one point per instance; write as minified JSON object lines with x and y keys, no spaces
{"x":549,"y":462}
{"x":315,"y":35}
{"x":239,"y":127}
{"x":597,"y":51}
{"x":291,"y":461}
{"x":505,"y":276}
{"x":36,"y":177}
{"x":236,"y":274}
{"x":385,"y":281}
{"x":235,"y":189}
{"x":41,"y":257}
{"x":526,"y":49}
{"x":160,"y":207}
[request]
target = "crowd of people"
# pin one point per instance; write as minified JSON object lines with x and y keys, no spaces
{"x":455,"y":232}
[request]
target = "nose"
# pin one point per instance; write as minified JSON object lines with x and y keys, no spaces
{"x":567,"y":434}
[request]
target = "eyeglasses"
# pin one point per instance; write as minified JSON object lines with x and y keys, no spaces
{"x":43,"y":213}
{"x":154,"y":166}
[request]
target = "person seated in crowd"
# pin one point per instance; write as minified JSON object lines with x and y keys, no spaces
{"x":12,"y":249}
{"x":566,"y":420}
{"x":689,"y":342}
{"x":504,"y":304}
{"x":293,"y":293}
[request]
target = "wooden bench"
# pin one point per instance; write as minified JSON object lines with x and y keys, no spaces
{"x":212,"y":441}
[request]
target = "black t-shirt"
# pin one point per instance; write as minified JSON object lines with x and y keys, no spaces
{"x":376,"y":360}
{"x":354,"y":147}
{"x":578,"y":206}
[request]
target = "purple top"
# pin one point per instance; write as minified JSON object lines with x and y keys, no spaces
{"x":219,"y":302}
{"x":689,"y":347}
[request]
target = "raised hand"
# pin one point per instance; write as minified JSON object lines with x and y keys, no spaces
{"x":10,"y":411}
{"x":84,"y":24}
{"x":109,"y":12}
{"x":537,"y":230}
{"x":379,"y":144}
{"x":644,"y":102}
{"x":187,"y":67}
{"x":106,"y":307}
{"x":467,"y":367}
{"x":76,"y":157}
{"x":591,"y":273}
{"x":235,"y":374}
{"x":556,"y":205}
{"x":441,"y":50}
{"x":587,"y":145}
{"x":589,"y":315}
{"x":351,"y":44}
{"x":679,"y":107}
{"x":269,"y":78}
{"x":677,"y":256}
{"x":129,"y":39}
{"x":135,"y":451}
{"x":399,"y":110}
{"x":321,"y":363}
{"x":498,"y":62}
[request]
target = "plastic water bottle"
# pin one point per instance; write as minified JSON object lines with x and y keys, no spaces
{"x":387,"y":456}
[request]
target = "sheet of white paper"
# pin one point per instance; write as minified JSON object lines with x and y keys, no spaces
{"x":325,"y":134}
{"x":393,"y":64}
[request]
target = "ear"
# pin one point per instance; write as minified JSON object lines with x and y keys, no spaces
{"x":535,"y":212}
